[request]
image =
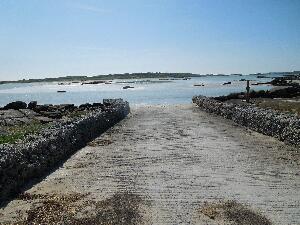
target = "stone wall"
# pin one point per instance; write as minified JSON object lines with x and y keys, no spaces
{"x":38,"y":154}
{"x":285,"y":127}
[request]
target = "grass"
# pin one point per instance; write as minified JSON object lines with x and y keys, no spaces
{"x":283,"y":106}
{"x":76,"y":114}
{"x":19,"y":132}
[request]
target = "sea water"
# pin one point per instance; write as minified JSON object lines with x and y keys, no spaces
{"x":145,"y":91}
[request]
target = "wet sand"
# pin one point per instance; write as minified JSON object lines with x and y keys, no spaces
{"x":160,"y":166}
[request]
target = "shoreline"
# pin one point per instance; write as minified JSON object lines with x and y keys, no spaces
{"x":148,"y":75}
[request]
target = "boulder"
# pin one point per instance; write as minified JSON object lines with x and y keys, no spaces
{"x":16,"y":105}
{"x":227,"y":83}
{"x":12,"y":122}
{"x":52,"y":114}
{"x":29,"y":113}
{"x":97,"y":104}
{"x":67,"y":107}
{"x":3,"y":132}
{"x":85,"y":106}
{"x":32,"y":105}
{"x":43,"y":119}
{"x":40,"y":108}
{"x":24,"y":120}
{"x":10,"y":113}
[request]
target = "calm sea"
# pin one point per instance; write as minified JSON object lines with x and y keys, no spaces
{"x":145,"y":91}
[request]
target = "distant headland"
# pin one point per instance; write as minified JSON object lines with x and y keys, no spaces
{"x":139,"y":76}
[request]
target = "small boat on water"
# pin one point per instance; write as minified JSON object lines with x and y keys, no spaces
{"x":227,"y":83}
{"x":64,"y":83}
{"x":94,"y":82}
{"x":61,"y":91}
{"x":126,"y":87}
{"x":199,"y":85}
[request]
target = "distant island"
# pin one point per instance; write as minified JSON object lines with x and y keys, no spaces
{"x":110,"y":77}
{"x":106,"y":77}
{"x":137,"y":76}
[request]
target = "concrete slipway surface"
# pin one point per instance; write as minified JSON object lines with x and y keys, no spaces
{"x":160,"y":166}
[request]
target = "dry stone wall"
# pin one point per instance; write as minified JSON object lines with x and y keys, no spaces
{"x":38,"y":154}
{"x":285,"y":127}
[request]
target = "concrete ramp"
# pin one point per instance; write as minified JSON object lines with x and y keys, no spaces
{"x":169,"y":165}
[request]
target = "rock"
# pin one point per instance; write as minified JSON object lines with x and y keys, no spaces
{"x":40,"y":108}
{"x":29,"y":113}
{"x":52,"y":114}
{"x":67,"y":107}
{"x":85,"y":106}
{"x":287,"y":92}
{"x":3,"y":132}
{"x":24,"y":120}
{"x":98,"y":104}
{"x":261,"y":76}
{"x":10,"y":114}
{"x":43,"y":119}
{"x":16,"y":105}
{"x":32,"y":105}
{"x":12,"y":117}
{"x":12,"y":122}
{"x":108,"y":102}
{"x":286,"y":81}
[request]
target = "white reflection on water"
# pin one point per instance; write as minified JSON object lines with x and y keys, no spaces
{"x":147,"y":91}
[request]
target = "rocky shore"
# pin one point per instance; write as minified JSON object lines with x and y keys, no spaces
{"x":68,"y":129}
{"x":283,"y":126}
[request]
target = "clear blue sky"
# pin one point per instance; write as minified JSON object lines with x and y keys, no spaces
{"x":49,"y":38}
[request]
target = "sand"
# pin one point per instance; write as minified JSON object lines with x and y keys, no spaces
{"x":167,"y":165}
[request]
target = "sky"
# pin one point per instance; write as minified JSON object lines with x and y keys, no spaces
{"x":50,"y":38}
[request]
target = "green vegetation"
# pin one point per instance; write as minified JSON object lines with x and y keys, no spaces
{"x":76,"y":114}
{"x":19,"y":132}
{"x":280,"y":105}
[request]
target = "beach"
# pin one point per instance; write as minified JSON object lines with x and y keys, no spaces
{"x":166,"y":162}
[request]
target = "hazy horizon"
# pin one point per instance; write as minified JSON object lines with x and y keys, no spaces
{"x":92,"y":75}
{"x":41,"y":39}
